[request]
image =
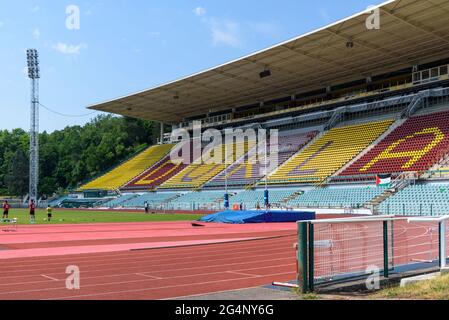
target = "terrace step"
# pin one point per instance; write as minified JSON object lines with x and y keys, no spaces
{"x":293,"y":196}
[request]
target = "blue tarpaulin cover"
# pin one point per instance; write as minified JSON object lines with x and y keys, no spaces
{"x":263,"y":216}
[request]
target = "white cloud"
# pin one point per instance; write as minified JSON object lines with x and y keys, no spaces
{"x":25,"y":71}
{"x":1,"y":24}
{"x":225,"y":32}
{"x":36,"y":34}
{"x":199,"y":11}
{"x":69,"y":49}
{"x":35,"y":8}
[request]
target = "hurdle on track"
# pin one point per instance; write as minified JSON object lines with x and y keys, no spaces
{"x":332,"y":250}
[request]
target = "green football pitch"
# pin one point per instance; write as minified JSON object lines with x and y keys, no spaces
{"x":79,"y":216}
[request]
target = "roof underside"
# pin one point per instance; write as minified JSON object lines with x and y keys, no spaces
{"x":412,"y":32}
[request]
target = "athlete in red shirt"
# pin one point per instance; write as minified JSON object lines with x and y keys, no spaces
{"x":32,"y":211}
{"x":6,"y":207}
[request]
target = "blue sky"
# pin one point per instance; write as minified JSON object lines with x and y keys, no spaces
{"x":126,"y":46}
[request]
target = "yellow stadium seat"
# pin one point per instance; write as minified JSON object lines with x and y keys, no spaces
{"x":129,"y":170}
{"x":196,"y":175}
{"x":328,"y":154}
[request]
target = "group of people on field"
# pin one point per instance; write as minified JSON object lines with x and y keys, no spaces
{"x":32,"y":210}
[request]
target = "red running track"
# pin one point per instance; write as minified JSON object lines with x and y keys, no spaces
{"x":183,"y":261}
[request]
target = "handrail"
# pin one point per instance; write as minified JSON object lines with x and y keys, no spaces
{"x":356,"y":219}
{"x":428,"y":219}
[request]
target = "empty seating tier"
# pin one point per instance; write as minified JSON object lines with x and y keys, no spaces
{"x":129,"y":170}
{"x":156,"y":175}
{"x":415,"y":146}
{"x":250,"y":169}
{"x":153,"y":199}
{"x":196,"y":175}
{"x":337,"y":197}
{"x":209,"y":200}
{"x":418,"y":200}
{"x":251,"y":199}
{"x":328,"y":153}
{"x":119,"y":201}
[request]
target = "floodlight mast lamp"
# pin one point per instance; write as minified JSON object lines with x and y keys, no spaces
{"x":34,"y":75}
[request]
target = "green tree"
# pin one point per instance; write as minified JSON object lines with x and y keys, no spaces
{"x":17,"y":176}
{"x":73,"y":155}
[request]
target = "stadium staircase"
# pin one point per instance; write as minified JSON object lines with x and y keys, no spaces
{"x":400,"y":183}
{"x":317,"y":137}
{"x":251,"y":186}
{"x":167,"y":201}
{"x":119,"y":201}
{"x":415,"y":104}
{"x":336,"y":117}
{"x":292,"y":197}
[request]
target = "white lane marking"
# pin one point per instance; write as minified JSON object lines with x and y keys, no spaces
{"x":148,"y":276}
{"x":48,"y":277}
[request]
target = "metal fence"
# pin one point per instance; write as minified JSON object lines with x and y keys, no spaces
{"x":342,"y":249}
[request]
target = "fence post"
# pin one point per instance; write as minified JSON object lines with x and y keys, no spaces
{"x":386,"y":264}
{"x":302,"y":257}
{"x":311,"y":257}
{"x":442,"y":242}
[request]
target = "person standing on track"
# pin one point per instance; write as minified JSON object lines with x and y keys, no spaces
{"x":6,"y":207}
{"x":32,"y":211}
{"x":147,"y":207}
{"x":49,"y":213}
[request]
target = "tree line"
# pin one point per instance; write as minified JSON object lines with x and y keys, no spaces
{"x":71,"y":156}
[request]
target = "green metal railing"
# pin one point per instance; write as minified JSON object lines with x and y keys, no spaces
{"x":385,"y":250}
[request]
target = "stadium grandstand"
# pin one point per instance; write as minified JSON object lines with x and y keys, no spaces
{"x":328,"y":153}
{"x":121,"y":175}
{"x":160,"y":172}
{"x":249,"y":170}
{"x":350,"y":104}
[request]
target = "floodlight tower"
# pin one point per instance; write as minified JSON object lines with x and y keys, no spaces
{"x":34,"y":75}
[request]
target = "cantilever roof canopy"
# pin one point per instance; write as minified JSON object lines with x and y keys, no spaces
{"x":411,"y":32}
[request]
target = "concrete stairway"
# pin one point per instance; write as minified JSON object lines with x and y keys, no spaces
{"x":401,"y":182}
{"x":292,"y":197}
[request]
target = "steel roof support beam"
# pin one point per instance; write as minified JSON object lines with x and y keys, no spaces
{"x":415,"y":25}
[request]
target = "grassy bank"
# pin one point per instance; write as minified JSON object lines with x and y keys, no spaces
{"x":436,"y":289}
